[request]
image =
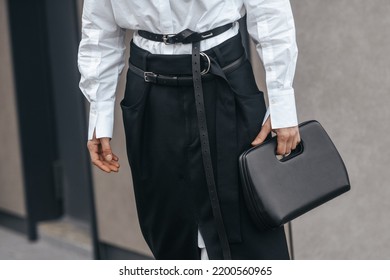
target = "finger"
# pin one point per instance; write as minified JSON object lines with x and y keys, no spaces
{"x":265,"y":130}
{"x":113,"y":162}
{"x":295,"y":143}
{"x":115,"y":157}
{"x":114,"y":166}
{"x":100,"y":164}
{"x":261,"y":136}
{"x":94,"y":153}
{"x":106,"y":148}
{"x":296,"y":139}
{"x":289,"y":145}
{"x":94,"y":148}
{"x":281,"y":146}
{"x":299,"y":138}
{"x":111,"y":165}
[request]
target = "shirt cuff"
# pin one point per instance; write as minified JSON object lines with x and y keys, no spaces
{"x":101,"y":119}
{"x":282,"y":110}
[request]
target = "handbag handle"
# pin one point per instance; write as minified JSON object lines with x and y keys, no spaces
{"x":294,"y":153}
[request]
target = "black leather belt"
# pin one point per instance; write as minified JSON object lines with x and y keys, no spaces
{"x":188,"y":36}
{"x":171,"y":80}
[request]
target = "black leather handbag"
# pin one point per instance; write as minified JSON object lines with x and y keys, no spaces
{"x":277,"y":191}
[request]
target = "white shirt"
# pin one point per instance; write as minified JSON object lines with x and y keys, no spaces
{"x":270,"y":24}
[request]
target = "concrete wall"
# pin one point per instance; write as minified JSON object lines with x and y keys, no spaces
{"x":11,"y":176}
{"x":343,"y":80}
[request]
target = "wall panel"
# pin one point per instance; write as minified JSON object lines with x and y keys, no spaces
{"x":11,"y":174}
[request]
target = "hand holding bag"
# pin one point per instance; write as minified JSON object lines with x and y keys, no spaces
{"x":277,"y":191}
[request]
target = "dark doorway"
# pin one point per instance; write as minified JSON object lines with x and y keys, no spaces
{"x":51,"y":112}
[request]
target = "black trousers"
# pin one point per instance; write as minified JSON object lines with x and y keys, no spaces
{"x":164,"y":154}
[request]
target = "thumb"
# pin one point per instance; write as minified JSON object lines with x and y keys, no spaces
{"x":106,"y":148}
{"x":265,"y":130}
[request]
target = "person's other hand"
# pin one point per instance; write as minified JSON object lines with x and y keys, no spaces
{"x":102,"y":155}
{"x":288,"y":138}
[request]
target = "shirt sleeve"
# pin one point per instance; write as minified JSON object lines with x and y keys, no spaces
{"x":100,"y":62}
{"x":271,"y":25}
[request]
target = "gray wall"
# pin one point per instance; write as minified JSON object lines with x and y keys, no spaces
{"x":343,"y":80}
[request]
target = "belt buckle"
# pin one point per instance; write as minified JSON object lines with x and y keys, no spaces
{"x":150,"y":77}
{"x":165,"y":38}
{"x":205,"y":71}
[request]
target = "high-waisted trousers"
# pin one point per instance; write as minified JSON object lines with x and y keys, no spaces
{"x":164,"y":153}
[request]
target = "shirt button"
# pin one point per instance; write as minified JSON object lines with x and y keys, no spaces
{"x":273,"y":101}
{"x":269,"y":68}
